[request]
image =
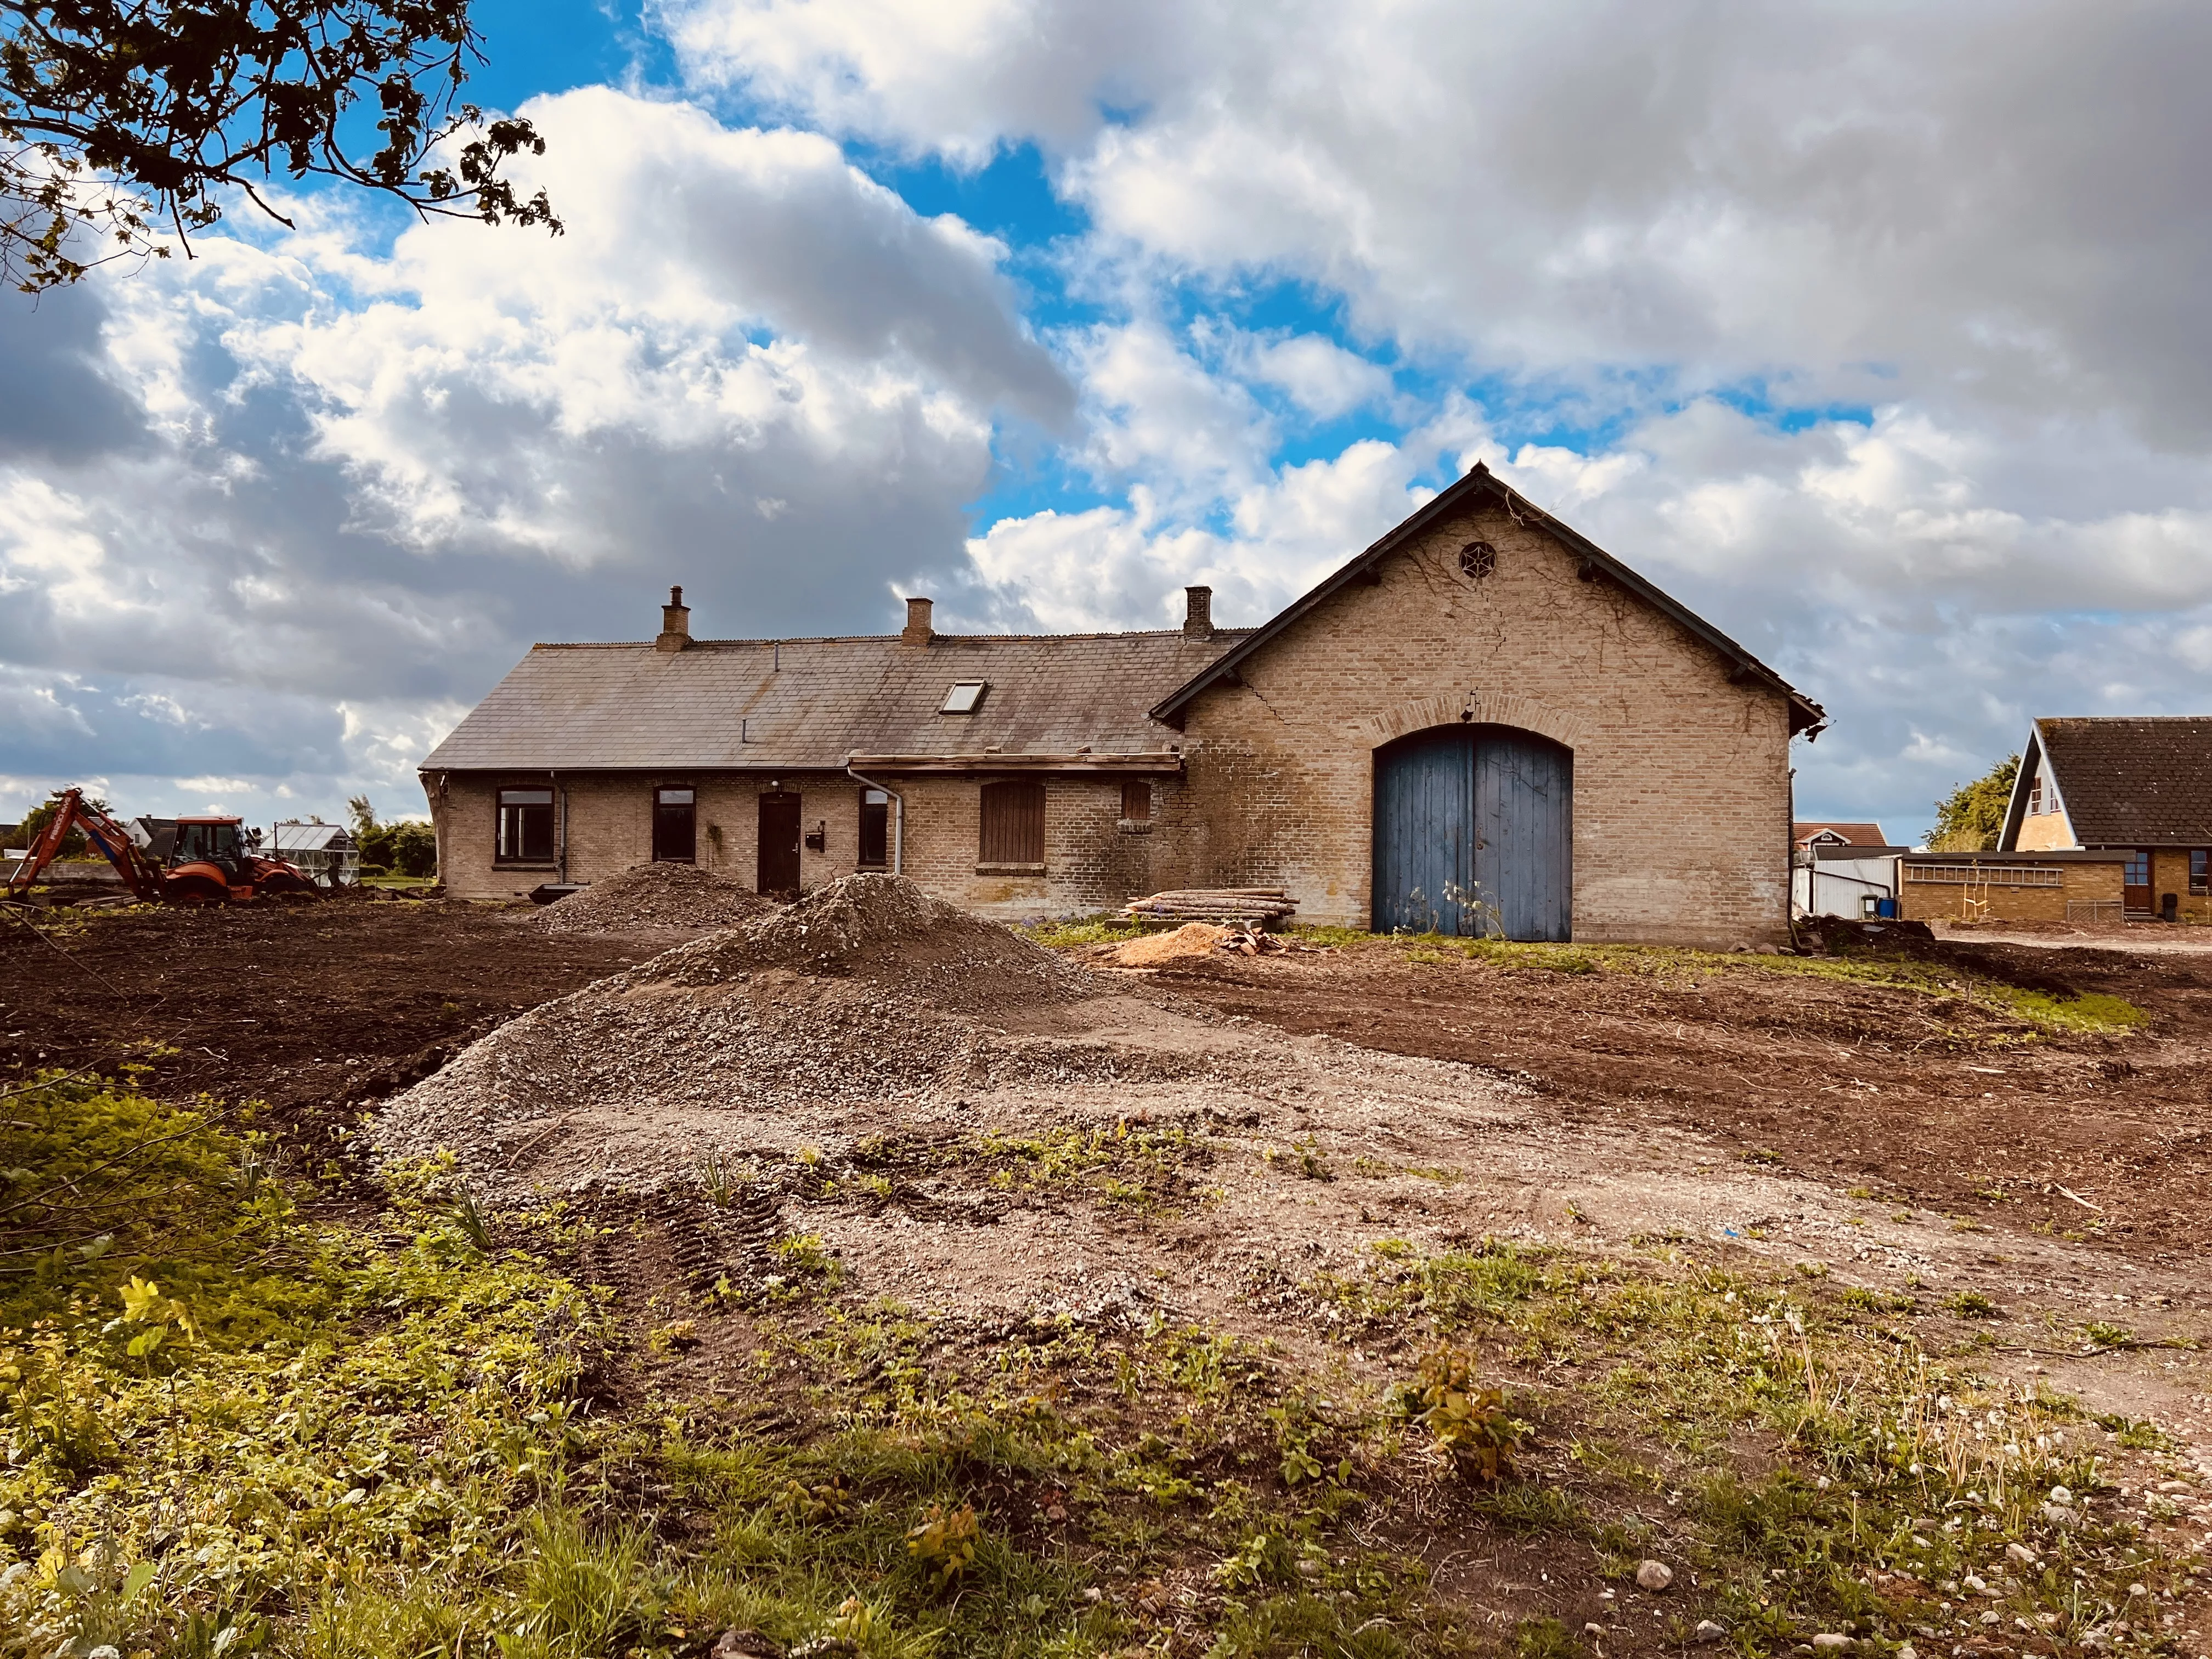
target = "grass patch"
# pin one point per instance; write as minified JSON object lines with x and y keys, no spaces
{"x":2090,"y":1013}
{"x":1891,"y":1474}
{"x":414,"y":1438}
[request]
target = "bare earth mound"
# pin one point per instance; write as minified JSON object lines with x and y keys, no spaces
{"x":654,"y":896}
{"x":918,"y":1087}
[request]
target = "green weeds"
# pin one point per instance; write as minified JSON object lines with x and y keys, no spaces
{"x":2090,"y":1013}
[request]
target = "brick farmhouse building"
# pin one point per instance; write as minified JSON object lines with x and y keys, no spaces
{"x":1484,"y":723}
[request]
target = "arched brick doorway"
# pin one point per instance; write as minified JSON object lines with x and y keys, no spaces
{"x":1474,"y":834}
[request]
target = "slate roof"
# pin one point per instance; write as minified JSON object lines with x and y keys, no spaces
{"x":1481,"y":484}
{"x":803,"y":704}
{"x":2133,"y":781}
{"x":1858,"y":834}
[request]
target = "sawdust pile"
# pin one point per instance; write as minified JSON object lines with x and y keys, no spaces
{"x":863,"y":994}
{"x":653,"y":896}
{"x":1193,"y":939}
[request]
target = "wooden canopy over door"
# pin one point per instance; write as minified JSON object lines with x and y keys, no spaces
{"x":1474,"y":834}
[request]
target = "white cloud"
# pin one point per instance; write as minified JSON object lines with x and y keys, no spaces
{"x":1321,"y":377}
{"x":342,"y":491}
{"x":1999,"y":204}
{"x":1121,"y":567}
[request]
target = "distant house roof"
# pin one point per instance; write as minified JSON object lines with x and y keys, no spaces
{"x":1857,"y":834}
{"x":1481,"y":485}
{"x":2129,"y":780}
{"x":296,"y":838}
{"x":805,"y":704}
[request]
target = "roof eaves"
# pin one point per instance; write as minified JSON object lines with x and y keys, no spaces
{"x":1480,"y":480}
{"x":2032,"y":757}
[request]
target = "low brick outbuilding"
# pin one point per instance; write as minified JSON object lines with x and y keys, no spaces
{"x":1482,"y":723}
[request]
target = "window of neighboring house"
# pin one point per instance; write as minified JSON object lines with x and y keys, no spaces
{"x":1137,"y":799}
{"x":525,"y":827}
{"x":2200,"y":871}
{"x":875,"y":830}
{"x":1014,"y":824}
{"x":2035,"y":797}
{"x":675,"y":825}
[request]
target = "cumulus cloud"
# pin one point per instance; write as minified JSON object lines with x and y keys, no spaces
{"x":317,"y":497}
{"x":2007,"y":195}
{"x":1116,"y":567}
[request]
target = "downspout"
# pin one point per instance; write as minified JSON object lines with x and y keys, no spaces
{"x":898,"y":816}
{"x":1812,"y":872}
{"x":555,"y":778}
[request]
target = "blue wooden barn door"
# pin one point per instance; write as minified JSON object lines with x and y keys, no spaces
{"x":1524,"y":791}
{"x":1474,"y":834}
{"x":1425,"y":833}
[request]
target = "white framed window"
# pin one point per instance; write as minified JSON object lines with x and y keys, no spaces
{"x":965,"y":698}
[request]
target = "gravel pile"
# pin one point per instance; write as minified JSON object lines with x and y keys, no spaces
{"x":802,"y":1025}
{"x":653,"y":896}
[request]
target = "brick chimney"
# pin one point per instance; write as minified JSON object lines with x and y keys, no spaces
{"x":1198,"y":612}
{"x":675,"y":623}
{"x":917,"y":631}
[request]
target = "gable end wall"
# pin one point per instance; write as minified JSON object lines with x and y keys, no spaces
{"x":1681,"y":810}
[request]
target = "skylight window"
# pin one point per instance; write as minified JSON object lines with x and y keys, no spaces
{"x":964,"y":698}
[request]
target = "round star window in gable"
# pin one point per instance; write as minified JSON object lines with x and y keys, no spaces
{"x":1477,"y":560}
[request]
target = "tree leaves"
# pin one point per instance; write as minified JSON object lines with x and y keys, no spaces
{"x":116,"y":114}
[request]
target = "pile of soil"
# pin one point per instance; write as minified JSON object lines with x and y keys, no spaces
{"x":804,"y":1026}
{"x":664,"y":895}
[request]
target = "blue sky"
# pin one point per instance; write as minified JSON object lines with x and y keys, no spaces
{"x":1874,"y":334}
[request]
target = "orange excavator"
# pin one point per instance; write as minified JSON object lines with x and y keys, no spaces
{"x":209,"y":860}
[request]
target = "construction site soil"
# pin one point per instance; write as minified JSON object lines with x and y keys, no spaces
{"x":897,"y":1105}
{"x":321,"y":1010}
{"x":670,"y":894}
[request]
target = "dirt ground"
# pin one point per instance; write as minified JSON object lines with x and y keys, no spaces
{"x":1849,"y":1085}
{"x":316,"y":1010}
{"x":1328,"y":1100}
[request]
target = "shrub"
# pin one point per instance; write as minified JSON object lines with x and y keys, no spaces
{"x":1472,"y":1424}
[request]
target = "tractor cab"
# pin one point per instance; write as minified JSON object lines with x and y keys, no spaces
{"x":223,"y":843}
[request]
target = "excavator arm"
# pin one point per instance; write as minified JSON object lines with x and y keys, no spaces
{"x":140,"y":873}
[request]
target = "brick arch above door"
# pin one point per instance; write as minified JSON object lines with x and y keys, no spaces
{"x":1490,"y":708}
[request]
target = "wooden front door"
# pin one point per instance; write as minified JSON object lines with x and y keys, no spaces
{"x":2134,"y":884}
{"x":675,"y":826}
{"x":778,"y":863}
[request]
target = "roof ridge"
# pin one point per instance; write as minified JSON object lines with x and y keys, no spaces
{"x":883,"y":639}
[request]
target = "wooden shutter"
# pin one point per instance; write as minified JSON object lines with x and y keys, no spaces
{"x":1137,"y":801}
{"x":1014,"y":824}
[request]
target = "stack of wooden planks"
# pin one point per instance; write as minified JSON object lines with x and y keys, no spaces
{"x":1248,"y":907}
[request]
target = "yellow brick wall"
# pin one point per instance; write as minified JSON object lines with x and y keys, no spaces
{"x":1928,"y":900}
{"x":2044,"y":832}
{"x":2169,"y":873}
{"x":1681,"y":797}
{"x":1090,"y":862}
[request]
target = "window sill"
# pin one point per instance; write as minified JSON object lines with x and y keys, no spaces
{"x":506,"y":864}
{"x":872,"y":869}
{"x":1135,"y":826}
{"x":1009,"y":869}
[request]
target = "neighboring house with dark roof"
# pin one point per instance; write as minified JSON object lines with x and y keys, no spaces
{"x":2140,"y":785}
{"x":1482,"y":723}
{"x":1822,"y":832}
